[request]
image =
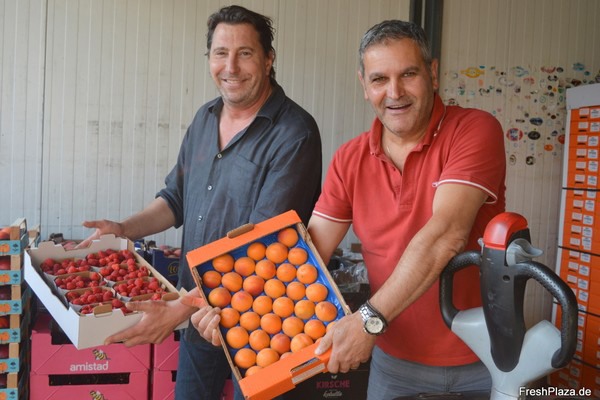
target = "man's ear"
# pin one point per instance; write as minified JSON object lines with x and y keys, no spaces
{"x":434,"y":74}
{"x":362,"y":82}
{"x":270,"y":61}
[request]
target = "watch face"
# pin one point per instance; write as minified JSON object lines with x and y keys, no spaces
{"x":374,"y":325}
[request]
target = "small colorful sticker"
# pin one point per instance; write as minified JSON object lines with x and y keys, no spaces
{"x":472,"y":72}
{"x":514,"y":134}
{"x":534,"y":135}
{"x":536,"y":121}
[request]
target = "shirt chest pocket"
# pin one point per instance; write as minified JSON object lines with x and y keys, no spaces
{"x":244,"y":183}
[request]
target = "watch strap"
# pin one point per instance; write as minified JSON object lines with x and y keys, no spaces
{"x":377,"y":313}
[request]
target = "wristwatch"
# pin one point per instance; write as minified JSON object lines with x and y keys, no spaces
{"x":373,"y":322}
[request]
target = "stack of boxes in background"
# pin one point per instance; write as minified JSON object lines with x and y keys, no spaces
{"x":164,"y":370}
{"x":579,"y":238}
{"x":60,"y":371}
{"x":16,"y":311}
{"x":164,"y":367}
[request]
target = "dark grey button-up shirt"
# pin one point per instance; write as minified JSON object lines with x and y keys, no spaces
{"x":272,"y":166}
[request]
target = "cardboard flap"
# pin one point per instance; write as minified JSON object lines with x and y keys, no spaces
{"x":284,"y":375}
{"x":218,"y":247}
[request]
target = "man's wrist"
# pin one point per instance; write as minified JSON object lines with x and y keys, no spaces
{"x":374,"y":323}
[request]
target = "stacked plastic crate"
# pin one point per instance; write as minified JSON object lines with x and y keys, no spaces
{"x":60,"y":371}
{"x":578,"y":261}
{"x":164,"y":370}
{"x":16,"y":311}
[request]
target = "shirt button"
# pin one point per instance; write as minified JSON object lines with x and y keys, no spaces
{"x":200,"y":218}
{"x":209,"y":187}
{"x":219,"y":155}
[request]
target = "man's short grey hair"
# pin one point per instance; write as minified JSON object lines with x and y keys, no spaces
{"x":394,"y":30}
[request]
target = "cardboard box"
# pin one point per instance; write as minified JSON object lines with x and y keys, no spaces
{"x":19,"y":297}
{"x":165,"y":355}
{"x":163,"y":386}
{"x":349,"y":386}
{"x":167,"y":266}
{"x":11,"y":362}
{"x":13,"y":275}
{"x":52,"y":354}
{"x":286,"y":373}
{"x":586,"y":113}
{"x":83,"y":330}
{"x":591,"y":378}
{"x":16,"y":386}
{"x":19,"y":239}
{"x":121,"y":386}
{"x":18,"y":328}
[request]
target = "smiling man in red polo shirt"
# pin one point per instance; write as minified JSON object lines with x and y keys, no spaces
{"x":418,"y":188}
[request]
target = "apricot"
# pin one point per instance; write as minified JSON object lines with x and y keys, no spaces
{"x":295,"y":290}
{"x":326,"y":311}
{"x":237,"y":337}
{"x":280,"y":342}
{"x":253,"y":284}
{"x":252,"y":370}
{"x":262,"y":305}
{"x":270,"y":323}
{"x":316,"y":292}
{"x":286,"y":272}
{"x":283,"y":306}
{"x":232,"y":281}
{"x":211,"y":279}
{"x":288,"y":237}
{"x":300,"y":341}
{"x":244,"y":266}
{"x":276,"y":252}
{"x":242,"y":301}
{"x":223,"y":263}
{"x":292,"y":326}
{"x":256,"y":251}
{"x":304,"y":309}
{"x":274,"y":288}
{"x":297,"y":256}
{"x":250,"y":320}
{"x":245,"y":358}
{"x":219,"y":297}
{"x":259,"y":339}
{"x":229,"y":317}
{"x":266,"y":357}
{"x":265,"y":269}
{"x":314,"y":328}
{"x":307,"y":273}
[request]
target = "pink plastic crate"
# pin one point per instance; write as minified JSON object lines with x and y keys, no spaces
{"x":163,"y":386}
{"x":48,"y":358}
{"x":124,"y":386}
{"x":166,"y":354}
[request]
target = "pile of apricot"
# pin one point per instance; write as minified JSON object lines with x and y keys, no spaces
{"x":271,"y":299}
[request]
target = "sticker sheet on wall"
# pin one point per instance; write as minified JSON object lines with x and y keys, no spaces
{"x":529,"y":101}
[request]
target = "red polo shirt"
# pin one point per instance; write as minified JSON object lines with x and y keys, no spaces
{"x":387,"y":208}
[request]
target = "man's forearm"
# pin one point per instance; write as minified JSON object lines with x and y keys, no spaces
{"x":155,"y":218}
